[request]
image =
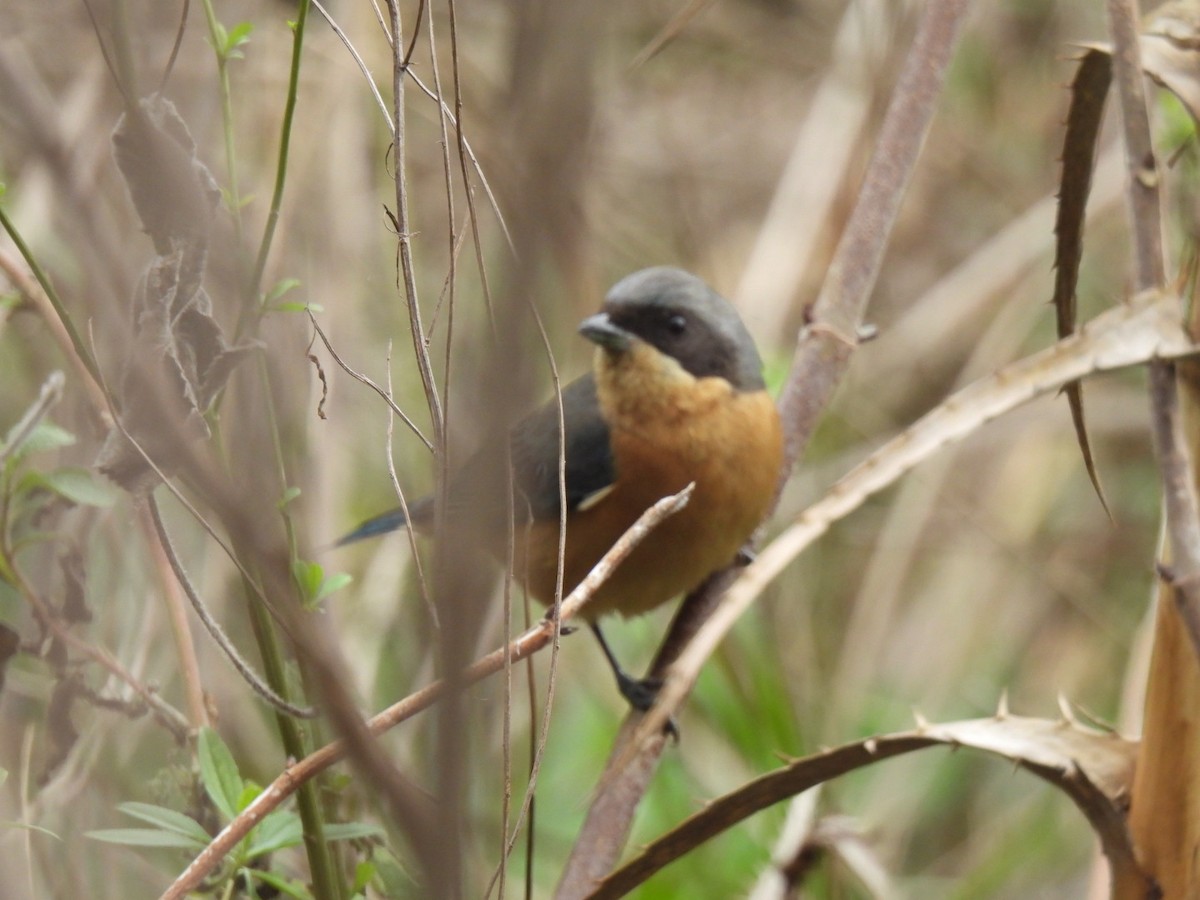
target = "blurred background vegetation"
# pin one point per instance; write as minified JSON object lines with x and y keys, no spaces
{"x":733,"y":151}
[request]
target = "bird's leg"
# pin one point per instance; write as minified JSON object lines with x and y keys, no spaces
{"x":640,"y":693}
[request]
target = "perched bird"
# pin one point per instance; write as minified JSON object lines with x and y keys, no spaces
{"x":676,"y":396}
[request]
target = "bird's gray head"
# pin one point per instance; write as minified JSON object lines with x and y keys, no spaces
{"x":683,"y":317}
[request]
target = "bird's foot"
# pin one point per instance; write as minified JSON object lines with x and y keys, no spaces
{"x":641,"y":693}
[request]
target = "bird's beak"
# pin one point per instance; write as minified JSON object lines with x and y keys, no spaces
{"x":601,"y":330}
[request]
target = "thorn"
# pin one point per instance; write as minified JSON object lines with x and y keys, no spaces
{"x":1002,"y":706}
{"x":1064,"y":708}
{"x":922,"y":722}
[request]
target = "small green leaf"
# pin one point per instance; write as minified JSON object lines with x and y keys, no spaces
{"x":281,"y":287}
{"x":239,"y":35}
{"x":249,"y":794}
{"x":167,"y":820}
{"x":333,"y":583}
{"x":37,"y":829}
{"x":348,"y":831}
{"x":294,"y":306}
{"x":144,"y":837}
{"x":79,"y":486}
{"x":309,"y":576}
{"x":219,"y":772}
{"x":363,"y":873}
{"x":288,"y":496}
{"x":44,"y":436}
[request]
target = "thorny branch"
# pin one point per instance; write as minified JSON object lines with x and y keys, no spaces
{"x":1179,"y":491}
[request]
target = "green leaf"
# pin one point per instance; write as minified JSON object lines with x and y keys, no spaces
{"x":219,"y":772}
{"x":295,"y":306}
{"x":392,"y":878}
{"x":288,"y":496}
{"x":346,"y":831}
{"x":249,"y":794}
{"x":363,"y":873}
{"x":309,"y":576}
{"x":144,"y":837}
{"x":25,"y":826}
{"x":45,"y":436}
{"x":239,"y":36}
{"x":167,"y":820}
{"x":79,"y":486}
{"x":280,"y":288}
{"x":279,"y":829}
{"x":334,"y":582}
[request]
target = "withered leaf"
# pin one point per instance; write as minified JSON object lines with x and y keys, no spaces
{"x":179,"y":358}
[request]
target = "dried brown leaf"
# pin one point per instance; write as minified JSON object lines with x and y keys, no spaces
{"x":1170,"y":47}
{"x":1094,"y":768}
{"x":179,"y":359}
{"x":1084,"y":117}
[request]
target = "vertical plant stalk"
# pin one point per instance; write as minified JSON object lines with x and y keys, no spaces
{"x":285,"y":143}
{"x":404,"y":233}
{"x":444,"y":859}
{"x":1164,"y":818}
{"x":181,"y":632}
{"x":235,"y":199}
{"x":326,"y":881}
{"x":822,"y":357}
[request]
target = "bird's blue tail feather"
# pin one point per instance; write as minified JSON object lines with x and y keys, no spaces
{"x":392,"y":520}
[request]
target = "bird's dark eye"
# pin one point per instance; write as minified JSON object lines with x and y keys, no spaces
{"x":677,"y":325}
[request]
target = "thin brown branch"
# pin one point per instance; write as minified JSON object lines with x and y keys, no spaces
{"x":181,"y":632}
{"x":174,"y":721}
{"x":253,"y":680}
{"x":404,"y":234}
{"x":360,"y":377}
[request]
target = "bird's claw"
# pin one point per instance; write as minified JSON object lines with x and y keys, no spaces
{"x":641,"y":693}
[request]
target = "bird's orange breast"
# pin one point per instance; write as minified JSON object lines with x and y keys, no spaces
{"x":667,"y":429}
